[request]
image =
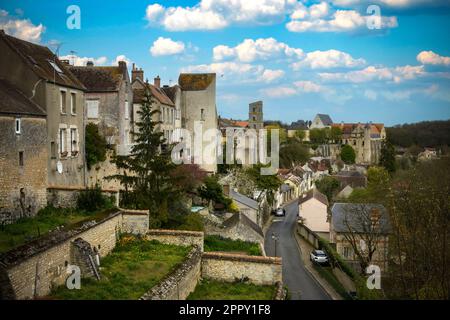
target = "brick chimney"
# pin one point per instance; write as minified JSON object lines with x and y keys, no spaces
{"x":137,"y":73}
{"x":157,"y":82}
{"x":90,"y":64}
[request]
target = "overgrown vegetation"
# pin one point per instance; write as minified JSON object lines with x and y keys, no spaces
{"x":293,"y":153}
{"x":212,"y":192}
{"x":327,"y":273}
{"x":348,"y":154}
{"x":215,"y":290}
{"x":95,"y":145}
{"x":129,"y":271}
{"x":218,"y":243}
{"x":49,"y":218}
{"x":423,"y":134}
{"x":92,"y":199}
{"x":328,"y":186}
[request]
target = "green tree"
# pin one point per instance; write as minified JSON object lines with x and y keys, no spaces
{"x":327,"y":185}
{"x":95,"y":145}
{"x":319,"y":136}
{"x":348,"y":154}
{"x":300,"y":135}
{"x":387,"y":156}
{"x":266,"y":183}
{"x":292,"y":154}
{"x":147,"y":173}
{"x":335,"y":134}
{"x":212,"y":191}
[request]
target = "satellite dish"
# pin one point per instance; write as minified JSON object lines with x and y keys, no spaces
{"x":59,"y":167}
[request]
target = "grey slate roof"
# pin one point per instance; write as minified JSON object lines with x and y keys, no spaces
{"x":242,"y":218}
{"x":14,"y":101}
{"x":325,"y":118}
{"x":243,"y":199}
{"x":356,"y":216}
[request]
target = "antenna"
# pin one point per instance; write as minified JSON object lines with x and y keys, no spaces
{"x":72,"y":57}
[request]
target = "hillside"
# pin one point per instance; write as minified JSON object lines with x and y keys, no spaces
{"x":423,"y":134}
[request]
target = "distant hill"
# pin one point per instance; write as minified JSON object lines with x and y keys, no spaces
{"x":423,"y":134}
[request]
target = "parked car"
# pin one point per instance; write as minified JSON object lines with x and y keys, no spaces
{"x":280,"y":212}
{"x":319,"y":256}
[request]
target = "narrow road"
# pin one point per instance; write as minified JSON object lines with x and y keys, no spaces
{"x":301,"y":284}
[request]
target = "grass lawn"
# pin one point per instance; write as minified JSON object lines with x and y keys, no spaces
{"x":26,"y":229}
{"x":328,"y":275}
{"x":215,"y":290}
{"x":129,"y":271}
{"x":218,"y":243}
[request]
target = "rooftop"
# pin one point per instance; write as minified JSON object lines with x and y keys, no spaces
{"x":14,"y":101}
{"x":100,"y":78}
{"x":358,"y":218}
{"x":195,"y":81}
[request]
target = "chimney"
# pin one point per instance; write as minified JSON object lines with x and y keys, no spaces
{"x":65,"y":62}
{"x":90,"y":63}
{"x":157,"y":82}
{"x":122,"y":64}
{"x":137,"y":73}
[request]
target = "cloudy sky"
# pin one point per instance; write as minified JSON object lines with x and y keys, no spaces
{"x":299,"y":57}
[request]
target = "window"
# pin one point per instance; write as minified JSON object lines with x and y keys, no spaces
{"x":92,"y":106}
{"x":18,"y":126}
{"x":202,"y":114}
{"x":53,"y":149}
{"x":55,"y":66}
{"x":73,"y":140}
{"x":127,"y":110}
{"x":73,"y":103}
{"x":21,"y":158}
{"x":62,"y":140}
{"x":347,"y":252}
{"x":63,"y":101}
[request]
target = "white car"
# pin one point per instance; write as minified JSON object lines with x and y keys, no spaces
{"x":280,"y":212}
{"x":318,"y":256}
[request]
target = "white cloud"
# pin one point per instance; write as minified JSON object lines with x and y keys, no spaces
{"x":122,"y":57}
{"x":250,"y":50}
{"x":397,"y":4}
{"x":371,"y":73}
{"x":269,"y":75}
{"x":429,"y":57}
{"x":279,"y":92}
{"x":237,"y":72}
{"x":322,"y":20}
{"x":81,"y":61}
{"x":217,"y":14}
{"x":166,"y":46}
{"x":328,"y":59}
{"x":308,"y":86}
{"x":370,"y":94}
{"x":21,"y":28}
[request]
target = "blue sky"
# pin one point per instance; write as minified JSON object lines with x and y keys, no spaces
{"x":299,"y":57}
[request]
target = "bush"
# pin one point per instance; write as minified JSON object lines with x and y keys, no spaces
{"x":92,"y":199}
{"x":95,"y":146}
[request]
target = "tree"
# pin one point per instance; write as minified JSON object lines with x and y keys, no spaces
{"x":420,"y":217}
{"x":327,"y":185}
{"x":335,"y":134}
{"x":266,"y":183}
{"x":319,"y":136}
{"x":365,"y":231}
{"x":147,"y":173}
{"x":387,"y":156}
{"x":300,"y":135}
{"x":348,"y":154}
{"x":189,"y":177}
{"x":292,"y":154}
{"x":95,"y":145}
{"x":212,"y":191}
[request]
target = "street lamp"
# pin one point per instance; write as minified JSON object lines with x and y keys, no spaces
{"x":275,"y":239}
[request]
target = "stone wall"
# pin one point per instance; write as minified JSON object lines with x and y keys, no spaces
{"x":66,"y":197}
{"x":35,"y":267}
{"x":181,"y":282}
{"x":231,"y":267}
{"x":135,"y":221}
{"x":177,"y":237}
{"x":22,"y":187}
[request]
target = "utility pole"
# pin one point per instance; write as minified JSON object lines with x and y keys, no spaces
{"x":275,"y":238}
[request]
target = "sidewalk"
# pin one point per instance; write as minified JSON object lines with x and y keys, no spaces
{"x":305,"y":249}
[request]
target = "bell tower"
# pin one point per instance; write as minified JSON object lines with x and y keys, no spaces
{"x":255,"y":115}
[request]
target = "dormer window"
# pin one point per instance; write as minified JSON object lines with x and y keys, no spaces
{"x":18,"y":126}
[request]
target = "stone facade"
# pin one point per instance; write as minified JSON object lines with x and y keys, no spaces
{"x":231,"y":267}
{"x":34,"y":268}
{"x":23,"y":163}
{"x":181,"y":282}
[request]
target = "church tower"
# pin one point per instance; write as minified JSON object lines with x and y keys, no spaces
{"x":255,"y":115}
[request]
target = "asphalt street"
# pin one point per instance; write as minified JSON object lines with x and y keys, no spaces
{"x":301,"y":284}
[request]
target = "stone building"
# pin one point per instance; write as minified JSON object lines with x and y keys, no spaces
{"x":365,"y":139}
{"x":36,"y":72}
{"x":23,"y":155}
{"x":313,"y":211}
{"x":161,"y":102}
{"x":321,"y":121}
{"x":255,"y":115}
{"x":360,"y":225}
{"x":109,"y":99}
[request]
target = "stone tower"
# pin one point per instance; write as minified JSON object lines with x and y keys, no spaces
{"x":255,"y":115}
